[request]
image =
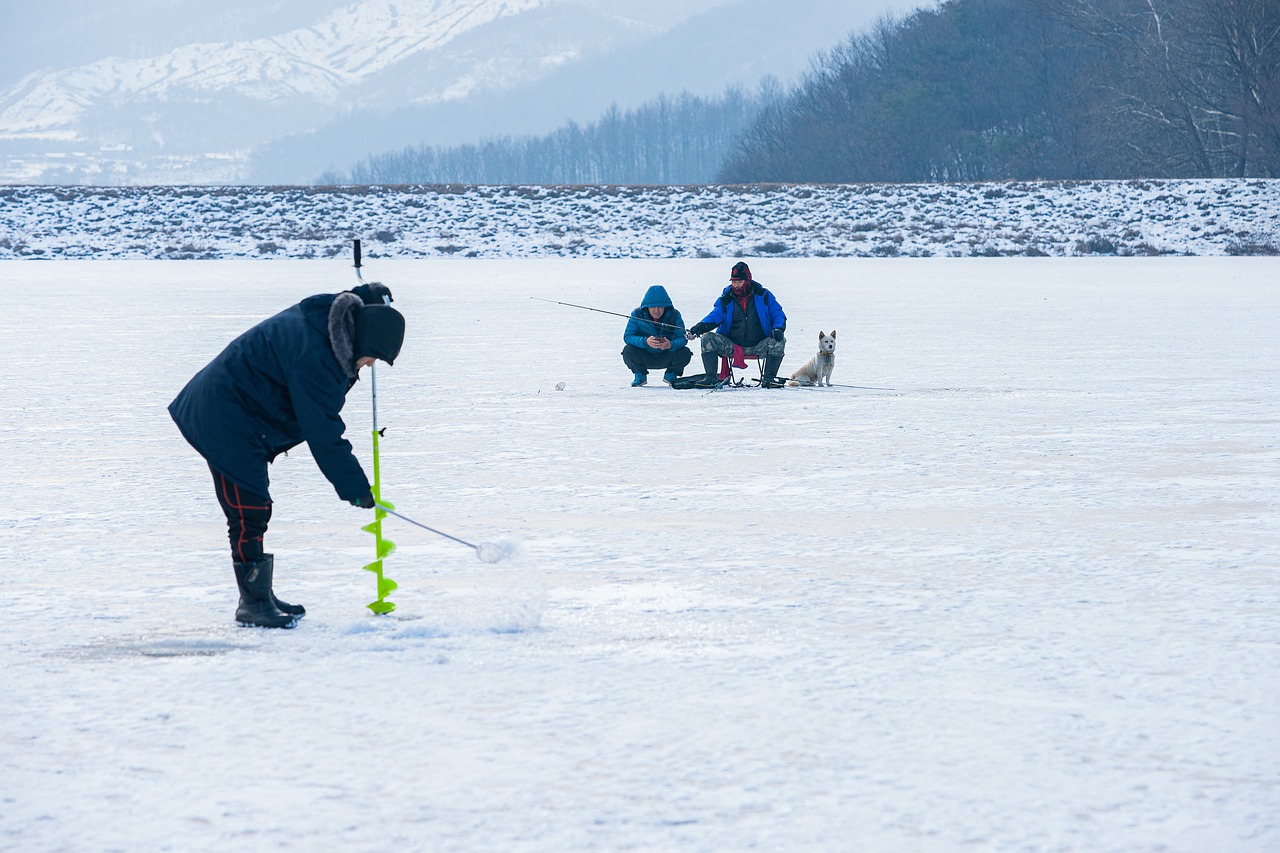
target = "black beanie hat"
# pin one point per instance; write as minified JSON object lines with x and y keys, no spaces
{"x":740,"y":271}
{"x":379,"y":332}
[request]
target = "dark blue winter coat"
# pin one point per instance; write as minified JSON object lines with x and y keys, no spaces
{"x":767,"y":309}
{"x":641,"y":326}
{"x":283,"y":382}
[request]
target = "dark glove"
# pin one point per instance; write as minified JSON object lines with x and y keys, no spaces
{"x":701,"y":328}
{"x":777,"y":334}
{"x":366,"y":502}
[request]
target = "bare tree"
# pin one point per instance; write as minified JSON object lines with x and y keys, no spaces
{"x":1195,"y":81}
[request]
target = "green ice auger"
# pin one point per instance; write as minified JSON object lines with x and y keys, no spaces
{"x":383,"y":547}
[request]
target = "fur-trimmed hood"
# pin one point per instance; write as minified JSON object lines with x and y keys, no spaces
{"x":342,"y":331}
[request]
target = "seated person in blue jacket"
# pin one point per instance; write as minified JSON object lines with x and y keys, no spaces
{"x":654,"y":338}
{"x":283,"y":382}
{"x":744,"y":320}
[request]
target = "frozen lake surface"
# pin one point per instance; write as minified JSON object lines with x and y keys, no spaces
{"x":1029,"y":599}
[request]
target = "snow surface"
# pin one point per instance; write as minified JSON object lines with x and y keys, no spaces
{"x":1027,"y":600}
{"x":1193,"y":217}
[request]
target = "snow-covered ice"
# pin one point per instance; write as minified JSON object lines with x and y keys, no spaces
{"x":1027,"y":600}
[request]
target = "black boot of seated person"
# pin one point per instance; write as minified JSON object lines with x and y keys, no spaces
{"x":770,"y":377}
{"x":710,"y":371}
{"x":257,"y":606}
{"x":710,"y":365}
{"x":283,"y":606}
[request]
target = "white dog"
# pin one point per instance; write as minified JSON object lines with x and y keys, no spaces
{"x":818,"y":369}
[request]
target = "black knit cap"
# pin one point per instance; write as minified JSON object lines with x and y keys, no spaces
{"x":379,"y":332}
{"x":740,"y":272}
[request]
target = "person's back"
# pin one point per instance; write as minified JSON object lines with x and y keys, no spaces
{"x":271,"y":388}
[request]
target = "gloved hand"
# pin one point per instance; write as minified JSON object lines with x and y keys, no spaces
{"x":777,"y":334}
{"x":701,"y":328}
{"x":366,"y":502}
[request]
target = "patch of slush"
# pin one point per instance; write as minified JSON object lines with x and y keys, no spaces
{"x":496,"y":552}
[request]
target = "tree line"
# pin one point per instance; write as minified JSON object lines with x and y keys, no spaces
{"x":1025,"y":89}
{"x":968,"y":90}
{"x":671,"y":140}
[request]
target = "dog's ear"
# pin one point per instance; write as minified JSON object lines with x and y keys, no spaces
{"x":833,"y":333}
{"x":821,"y":335}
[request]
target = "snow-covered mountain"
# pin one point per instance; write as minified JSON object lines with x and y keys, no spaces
{"x":362,"y":77}
{"x":218,"y":100}
{"x":343,"y":49}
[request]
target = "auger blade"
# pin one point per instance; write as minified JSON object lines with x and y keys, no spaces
{"x":383,"y":547}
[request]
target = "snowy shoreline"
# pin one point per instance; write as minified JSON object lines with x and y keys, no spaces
{"x":1057,"y":219}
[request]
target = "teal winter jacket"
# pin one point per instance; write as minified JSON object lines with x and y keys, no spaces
{"x":641,"y":326}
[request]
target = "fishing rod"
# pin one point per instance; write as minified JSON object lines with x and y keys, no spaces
{"x":838,"y":385}
{"x":859,"y":387}
{"x":616,"y":314}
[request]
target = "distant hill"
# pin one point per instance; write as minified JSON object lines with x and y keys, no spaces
{"x":279,"y":92}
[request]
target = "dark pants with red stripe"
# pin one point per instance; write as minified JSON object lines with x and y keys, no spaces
{"x":247,"y":517}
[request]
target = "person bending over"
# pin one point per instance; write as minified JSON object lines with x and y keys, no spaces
{"x":283,"y":382}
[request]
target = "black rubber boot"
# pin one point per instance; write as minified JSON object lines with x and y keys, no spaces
{"x":711,"y":365}
{"x":257,"y":606}
{"x":770,"y":377}
{"x":283,"y":606}
{"x":710,"y":371}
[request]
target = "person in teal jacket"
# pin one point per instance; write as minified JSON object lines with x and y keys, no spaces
{"x":655,"y":338}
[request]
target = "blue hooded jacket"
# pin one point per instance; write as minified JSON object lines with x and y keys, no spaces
{"x":641,"y":326}
{"x":767,"y":309}
{"x":282,"y":382}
